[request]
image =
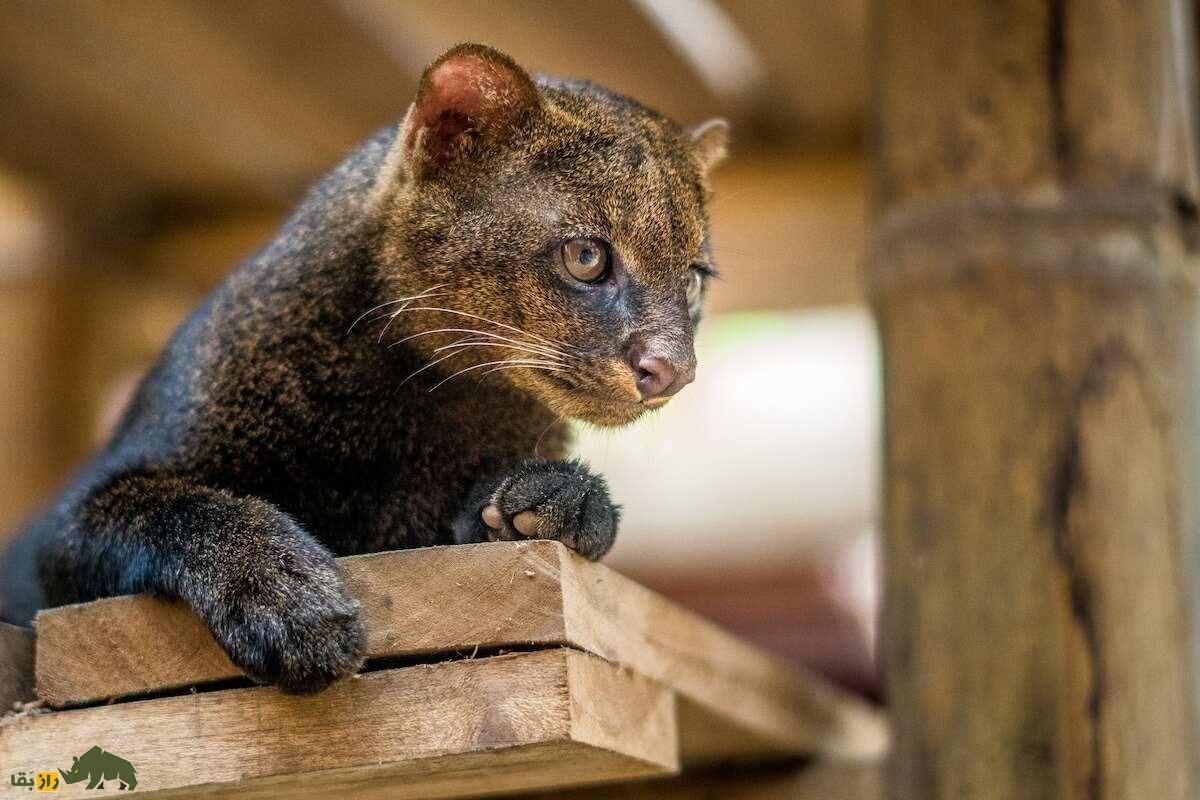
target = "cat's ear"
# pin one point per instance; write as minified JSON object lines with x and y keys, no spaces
{"x":470,"y":96}
{"x":710,"y":141}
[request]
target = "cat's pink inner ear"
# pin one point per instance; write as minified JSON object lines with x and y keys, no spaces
{"x":471,"y":91}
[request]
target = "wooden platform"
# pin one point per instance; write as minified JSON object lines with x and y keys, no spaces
{"x":608,"y":682}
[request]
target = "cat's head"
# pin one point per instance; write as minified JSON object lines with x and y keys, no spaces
{"x":561,"y":227}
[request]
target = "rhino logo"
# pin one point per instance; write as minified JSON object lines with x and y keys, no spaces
{"x":98,"y":766}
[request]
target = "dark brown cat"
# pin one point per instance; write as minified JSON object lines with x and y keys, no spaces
{"x":392,"y":369}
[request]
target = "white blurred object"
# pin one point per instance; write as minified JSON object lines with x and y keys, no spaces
{"x":708,"y":38}
{"x":25,"y":231}
{"x":772,"y":449}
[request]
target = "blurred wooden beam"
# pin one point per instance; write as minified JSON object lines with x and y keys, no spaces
{"x":52,"y":133}
{"x":187,"y":100}
{"x":140,"y":112}
{"x":816,"y":56}
{"x":118,"y":109}
{"x":318,"y":57}
{"x":1033,"y":269}
{"x":613,"y":44}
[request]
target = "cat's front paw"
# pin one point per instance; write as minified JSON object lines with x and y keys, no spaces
{"x":285,"y":617}
{"x":560,"y":500}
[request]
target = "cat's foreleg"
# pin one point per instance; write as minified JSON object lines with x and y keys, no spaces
{"x":272,"y":596}
{"x":557,"y":499}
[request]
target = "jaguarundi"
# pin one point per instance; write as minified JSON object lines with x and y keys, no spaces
{"x":391,"y":370}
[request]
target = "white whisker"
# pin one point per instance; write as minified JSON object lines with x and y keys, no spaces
{"x":538,"y":445}
{"x":420,"y":296}
{"x":549,"y":351}
{"x":468,"y":343}
{"x":485,"y":373}
{"x":491,"y":321}
{"x":390,"y":315}
{"x":422,"y":369}
{"x":543,"y":367}
{"x":512,"y":361}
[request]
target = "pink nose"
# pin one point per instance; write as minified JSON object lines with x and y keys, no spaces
{"x":658,"y":377}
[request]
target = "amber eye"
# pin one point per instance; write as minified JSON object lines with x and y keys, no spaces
{"x":585,"y":259}
{"x":694,"y":287}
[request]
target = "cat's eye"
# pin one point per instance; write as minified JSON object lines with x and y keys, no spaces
{"x":585,"y":259}
{"x":695,"y":286}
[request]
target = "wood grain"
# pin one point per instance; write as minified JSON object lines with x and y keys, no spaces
{"x":436,"y":600}
{"x":16,"y":665}
{"x":1033,"y":268}
{"x":470,"y":727}
{"x":819,"y":780}
{"x":721,"y":681}
{"x":455,"y":600}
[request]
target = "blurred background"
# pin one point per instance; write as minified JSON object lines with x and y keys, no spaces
{"x":147,"y":145}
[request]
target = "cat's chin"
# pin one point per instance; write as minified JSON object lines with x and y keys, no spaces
{"x":614,"y":416}
{"x":603,"y":404}
{"x":600,"y":411}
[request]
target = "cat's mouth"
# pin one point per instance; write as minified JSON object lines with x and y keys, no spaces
{"x":601,"y":404}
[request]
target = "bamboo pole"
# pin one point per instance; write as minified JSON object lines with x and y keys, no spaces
{"x":1032,"y":269}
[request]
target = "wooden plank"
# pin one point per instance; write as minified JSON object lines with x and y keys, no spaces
{"x":488,"y":596}
{"x":509,"y":723}
{"x":820,"y":780}
{"x":16,"y":665}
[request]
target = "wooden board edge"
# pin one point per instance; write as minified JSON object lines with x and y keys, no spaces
{"x":819,"y":780}
{"x":154,"y":645}
{"x":17,"y":653}
{"x":539,"y":767}
{"x":645,"y":726}
{"x":722,"y":678}
{"x":489,"y":711}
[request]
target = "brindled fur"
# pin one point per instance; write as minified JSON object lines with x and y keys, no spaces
{"x":290,"y":419}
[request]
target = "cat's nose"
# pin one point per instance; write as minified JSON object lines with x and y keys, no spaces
{"x":658,"y":377}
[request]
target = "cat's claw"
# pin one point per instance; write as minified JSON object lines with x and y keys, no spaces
{"x":559,"y":500}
